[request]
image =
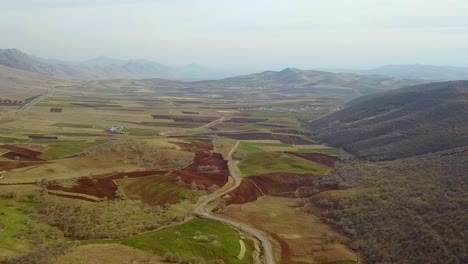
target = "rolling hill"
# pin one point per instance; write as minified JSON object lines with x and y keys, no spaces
{"x":291,"y":82}
{"x":19,"y":84}
{"x":402,"y":123}
{"x":103,"y":68}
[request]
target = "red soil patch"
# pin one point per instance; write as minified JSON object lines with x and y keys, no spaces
{"x":203,"y":157}
{"x":183,"y":118}
{"x":284,"y":138}
{"x":243,"y":120}
{"x":99,"y":186}
{"x":276,"y":183}
{"x":248,"y":136}
{"x":11,"y":165}
{"x":23,"y":151}
{"x":286,"y":251}
{"x":317,"y":157}
{"x":161,"y":116}
{"x":245,"y":193}
{"x":11,"y":155}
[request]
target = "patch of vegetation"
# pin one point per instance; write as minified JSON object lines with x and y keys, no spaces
{"x":72,"y":125}
{"x":12,"y":140}
{"x":258,"y":161}
{"x":184,"y":241}
{"x":404,"y":211}
{"x":41,"y":255}
{"x":109,"y":219}
{"x":62,"y":149}
{"x":141,"y":131}
{"x":20,"y":232}
{"x":403,"y":123}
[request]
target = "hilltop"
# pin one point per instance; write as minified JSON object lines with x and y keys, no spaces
{"x":403,"y":123}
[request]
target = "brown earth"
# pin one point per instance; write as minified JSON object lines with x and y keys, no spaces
{"x":284,"y":138}
{"x":243,"y":120}
{"x":23,"y":151}
{"x":11,"y":165}
{"x":323,"y":159}
{"x":184,"y":118}
{"x":100,"y":185}
{"x":203,"y":157}
{"x":11,"y":155}
{"x":276,"y":183}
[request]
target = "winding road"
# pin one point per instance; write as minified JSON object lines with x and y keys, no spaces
{"x":201,"y":211}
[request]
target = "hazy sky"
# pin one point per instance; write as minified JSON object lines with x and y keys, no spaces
{"x":242,"y":35}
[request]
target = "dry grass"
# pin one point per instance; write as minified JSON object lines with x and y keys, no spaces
{"x":278,"y":215}
{"x":108,"y":253}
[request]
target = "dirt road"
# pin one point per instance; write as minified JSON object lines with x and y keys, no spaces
{"x":201,"y":211}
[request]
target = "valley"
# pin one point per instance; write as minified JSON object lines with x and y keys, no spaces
{"x":277,"y":167}
{"x":180,"y":159}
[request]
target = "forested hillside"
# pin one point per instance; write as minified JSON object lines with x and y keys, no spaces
{"x":408,"y":122}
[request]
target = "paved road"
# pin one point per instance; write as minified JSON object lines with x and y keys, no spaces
{"x":34,"y":101}
{"x":201,"y":211}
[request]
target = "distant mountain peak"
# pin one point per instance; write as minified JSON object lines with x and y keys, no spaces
{"x":291,"y":70}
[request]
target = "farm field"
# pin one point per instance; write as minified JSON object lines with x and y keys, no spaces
{"x":198,"y":238}
{"x":292,"y":230}
{"x":261,"y":158}
{"x":173,"y":154}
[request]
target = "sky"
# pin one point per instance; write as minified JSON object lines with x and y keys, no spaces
{"x":242,"y":35}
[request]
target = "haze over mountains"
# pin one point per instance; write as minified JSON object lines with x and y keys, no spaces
{"x":290,"y":82}
{"x":420,"y":71}
{"x":104,"y":68}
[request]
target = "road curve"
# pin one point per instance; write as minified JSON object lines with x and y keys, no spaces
{"x":201,"y":211}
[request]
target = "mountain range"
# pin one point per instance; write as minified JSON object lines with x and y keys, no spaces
{"x":104,"y":68}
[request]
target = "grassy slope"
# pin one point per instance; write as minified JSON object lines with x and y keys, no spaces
{"x":258,"y":161}
{"x":64,"y":149}
{"x":165,"y":240}
{"x":14,"y":221}
{"x":157,"y":189}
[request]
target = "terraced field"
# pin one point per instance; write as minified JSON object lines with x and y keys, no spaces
{"x":171,"y":157}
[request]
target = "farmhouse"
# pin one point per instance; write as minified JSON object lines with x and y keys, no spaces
{"x":115,"y":130}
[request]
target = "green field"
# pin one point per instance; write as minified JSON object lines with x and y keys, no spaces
{"x":62,"y":149}
{"x":12,"y":140}
{"x":259,"y":161}
{"x":18,"y":231}
{"x":190,"y":240}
